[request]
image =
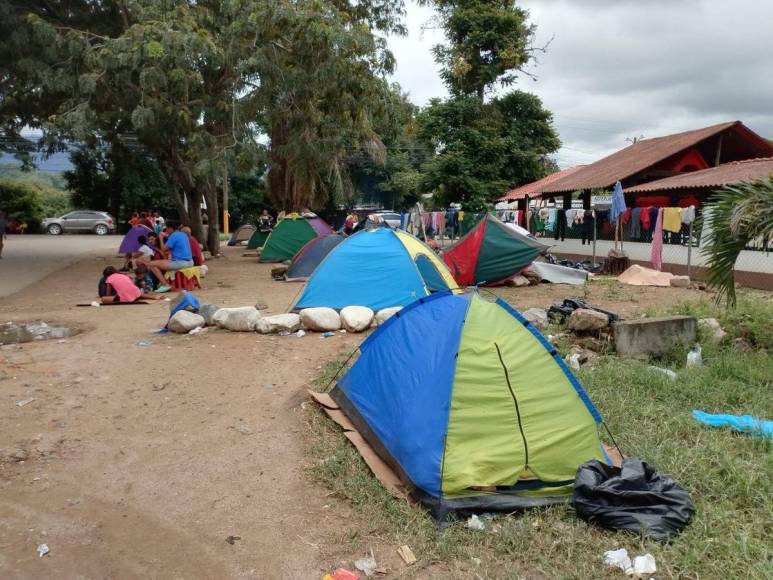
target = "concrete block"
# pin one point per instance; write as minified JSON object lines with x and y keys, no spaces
{"x":654,"y":336}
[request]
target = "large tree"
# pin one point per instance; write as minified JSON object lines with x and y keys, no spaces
{"x":397,"y":182}
{"x":483,"y":148}
{"x":196,"y":83}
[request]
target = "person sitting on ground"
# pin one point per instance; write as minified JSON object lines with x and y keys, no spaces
{"x":143,"y":279}
{"x":116,"y":287}
{"x":196,"y":251}
{"x":176,"y":244}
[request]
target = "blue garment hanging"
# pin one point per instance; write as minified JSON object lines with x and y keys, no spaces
{"x":618,"y":202}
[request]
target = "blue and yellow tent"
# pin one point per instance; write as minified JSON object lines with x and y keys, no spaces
{"x":377,"y":268}
{"x":471,"y":406}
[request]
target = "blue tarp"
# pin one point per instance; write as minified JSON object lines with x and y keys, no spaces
{"x":742,"y":423}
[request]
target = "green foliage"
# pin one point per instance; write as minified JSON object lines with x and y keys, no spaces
{"x":22,"y":202}
{"x":750,"y":320}
{"x":488,"y":41}
{"x":247,"y":197}
{"x":739,"y":214}
{"x":397,"y":182}
{"x":196,"y":85}
{"x":484,"y":149}
{"x":117,"y":180}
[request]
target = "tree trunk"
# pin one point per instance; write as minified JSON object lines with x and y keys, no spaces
{"x":213,"y":211}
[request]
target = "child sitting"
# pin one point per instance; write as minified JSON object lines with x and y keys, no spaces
{"x":143,"y":279}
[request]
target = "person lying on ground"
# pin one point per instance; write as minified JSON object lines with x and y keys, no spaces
{"x":196,"y":251}
{"x":178,"y":247}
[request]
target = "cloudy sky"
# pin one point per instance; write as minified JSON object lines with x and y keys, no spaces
{"x":618,"y":69}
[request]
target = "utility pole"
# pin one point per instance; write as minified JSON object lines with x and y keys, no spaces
{"x":225,"y":198}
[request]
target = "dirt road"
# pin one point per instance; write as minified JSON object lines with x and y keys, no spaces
{"x":29,"y":258}
{"x":141,"y":461}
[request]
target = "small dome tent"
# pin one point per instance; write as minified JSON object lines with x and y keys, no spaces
{"x":377,"y":268}
{"x":470,"y":406}
{"x":290,"y":235}
{"x":311,"y":255}
{"x":242,"y":234}
{"x":491,"y":253}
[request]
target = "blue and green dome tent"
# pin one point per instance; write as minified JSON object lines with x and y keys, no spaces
{"x":471,"y":407}
{"x":377,"y":268}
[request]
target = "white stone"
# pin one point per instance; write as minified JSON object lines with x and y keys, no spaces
{"x":518,"y":282}
{"x":242,"y":319}
{"x":183,"y":322}
{"x":537,"y":316}
{"x":585,"y":320}
{"x":356,"y":318}
{"x":208,"y":311}
{"x":320,"y":319}
{"x":680,"y":281}
{"x":386,"y":313}
{"x":713,"y":327}
{"x":203,"y":270}
{"x":278,"y":323}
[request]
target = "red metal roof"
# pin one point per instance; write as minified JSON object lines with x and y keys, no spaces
{"x":534,"y":187}
{"x":714,"y":177}
{"x":646,"y":153}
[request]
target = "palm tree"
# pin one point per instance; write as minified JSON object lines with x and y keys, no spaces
{"x":741,"y":214}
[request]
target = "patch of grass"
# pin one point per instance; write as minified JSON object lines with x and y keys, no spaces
{"x":750,"y":320}
{"x":727,"y":474}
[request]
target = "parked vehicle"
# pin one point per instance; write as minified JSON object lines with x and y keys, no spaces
{"x":390,"y":217}
{"x":98,"y":222}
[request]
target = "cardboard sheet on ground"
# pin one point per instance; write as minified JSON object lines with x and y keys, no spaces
{"x":381,"y":470}
{"x":640,"y":276}
{"x":558,"y":274}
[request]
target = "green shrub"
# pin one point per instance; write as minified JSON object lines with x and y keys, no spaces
{"x":21,"y":202}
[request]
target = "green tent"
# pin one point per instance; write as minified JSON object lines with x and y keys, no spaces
{"x":290,"y":235}
{"x":257,"y":239}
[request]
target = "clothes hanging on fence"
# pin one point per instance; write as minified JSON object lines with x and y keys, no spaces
{"x":537,"y":224}
{"x":688,"y":215}
{"x":656,"y":257}
{"x":635,"y":231}
{"x":672,"y":219}
{"x":560,"y":229}
{"x":570,"y":215}
{"x":627,"y":215}
{"x":588,"y":226}
{"x":645,"y":219}
{"x":550,"y":222}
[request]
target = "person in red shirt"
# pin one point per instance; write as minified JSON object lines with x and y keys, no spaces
{"x":196,"y":251}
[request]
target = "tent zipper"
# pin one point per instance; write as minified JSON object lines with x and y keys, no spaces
{"x":515,"y":401}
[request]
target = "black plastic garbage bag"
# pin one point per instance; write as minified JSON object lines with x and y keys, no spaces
{"x":633,"y":498}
